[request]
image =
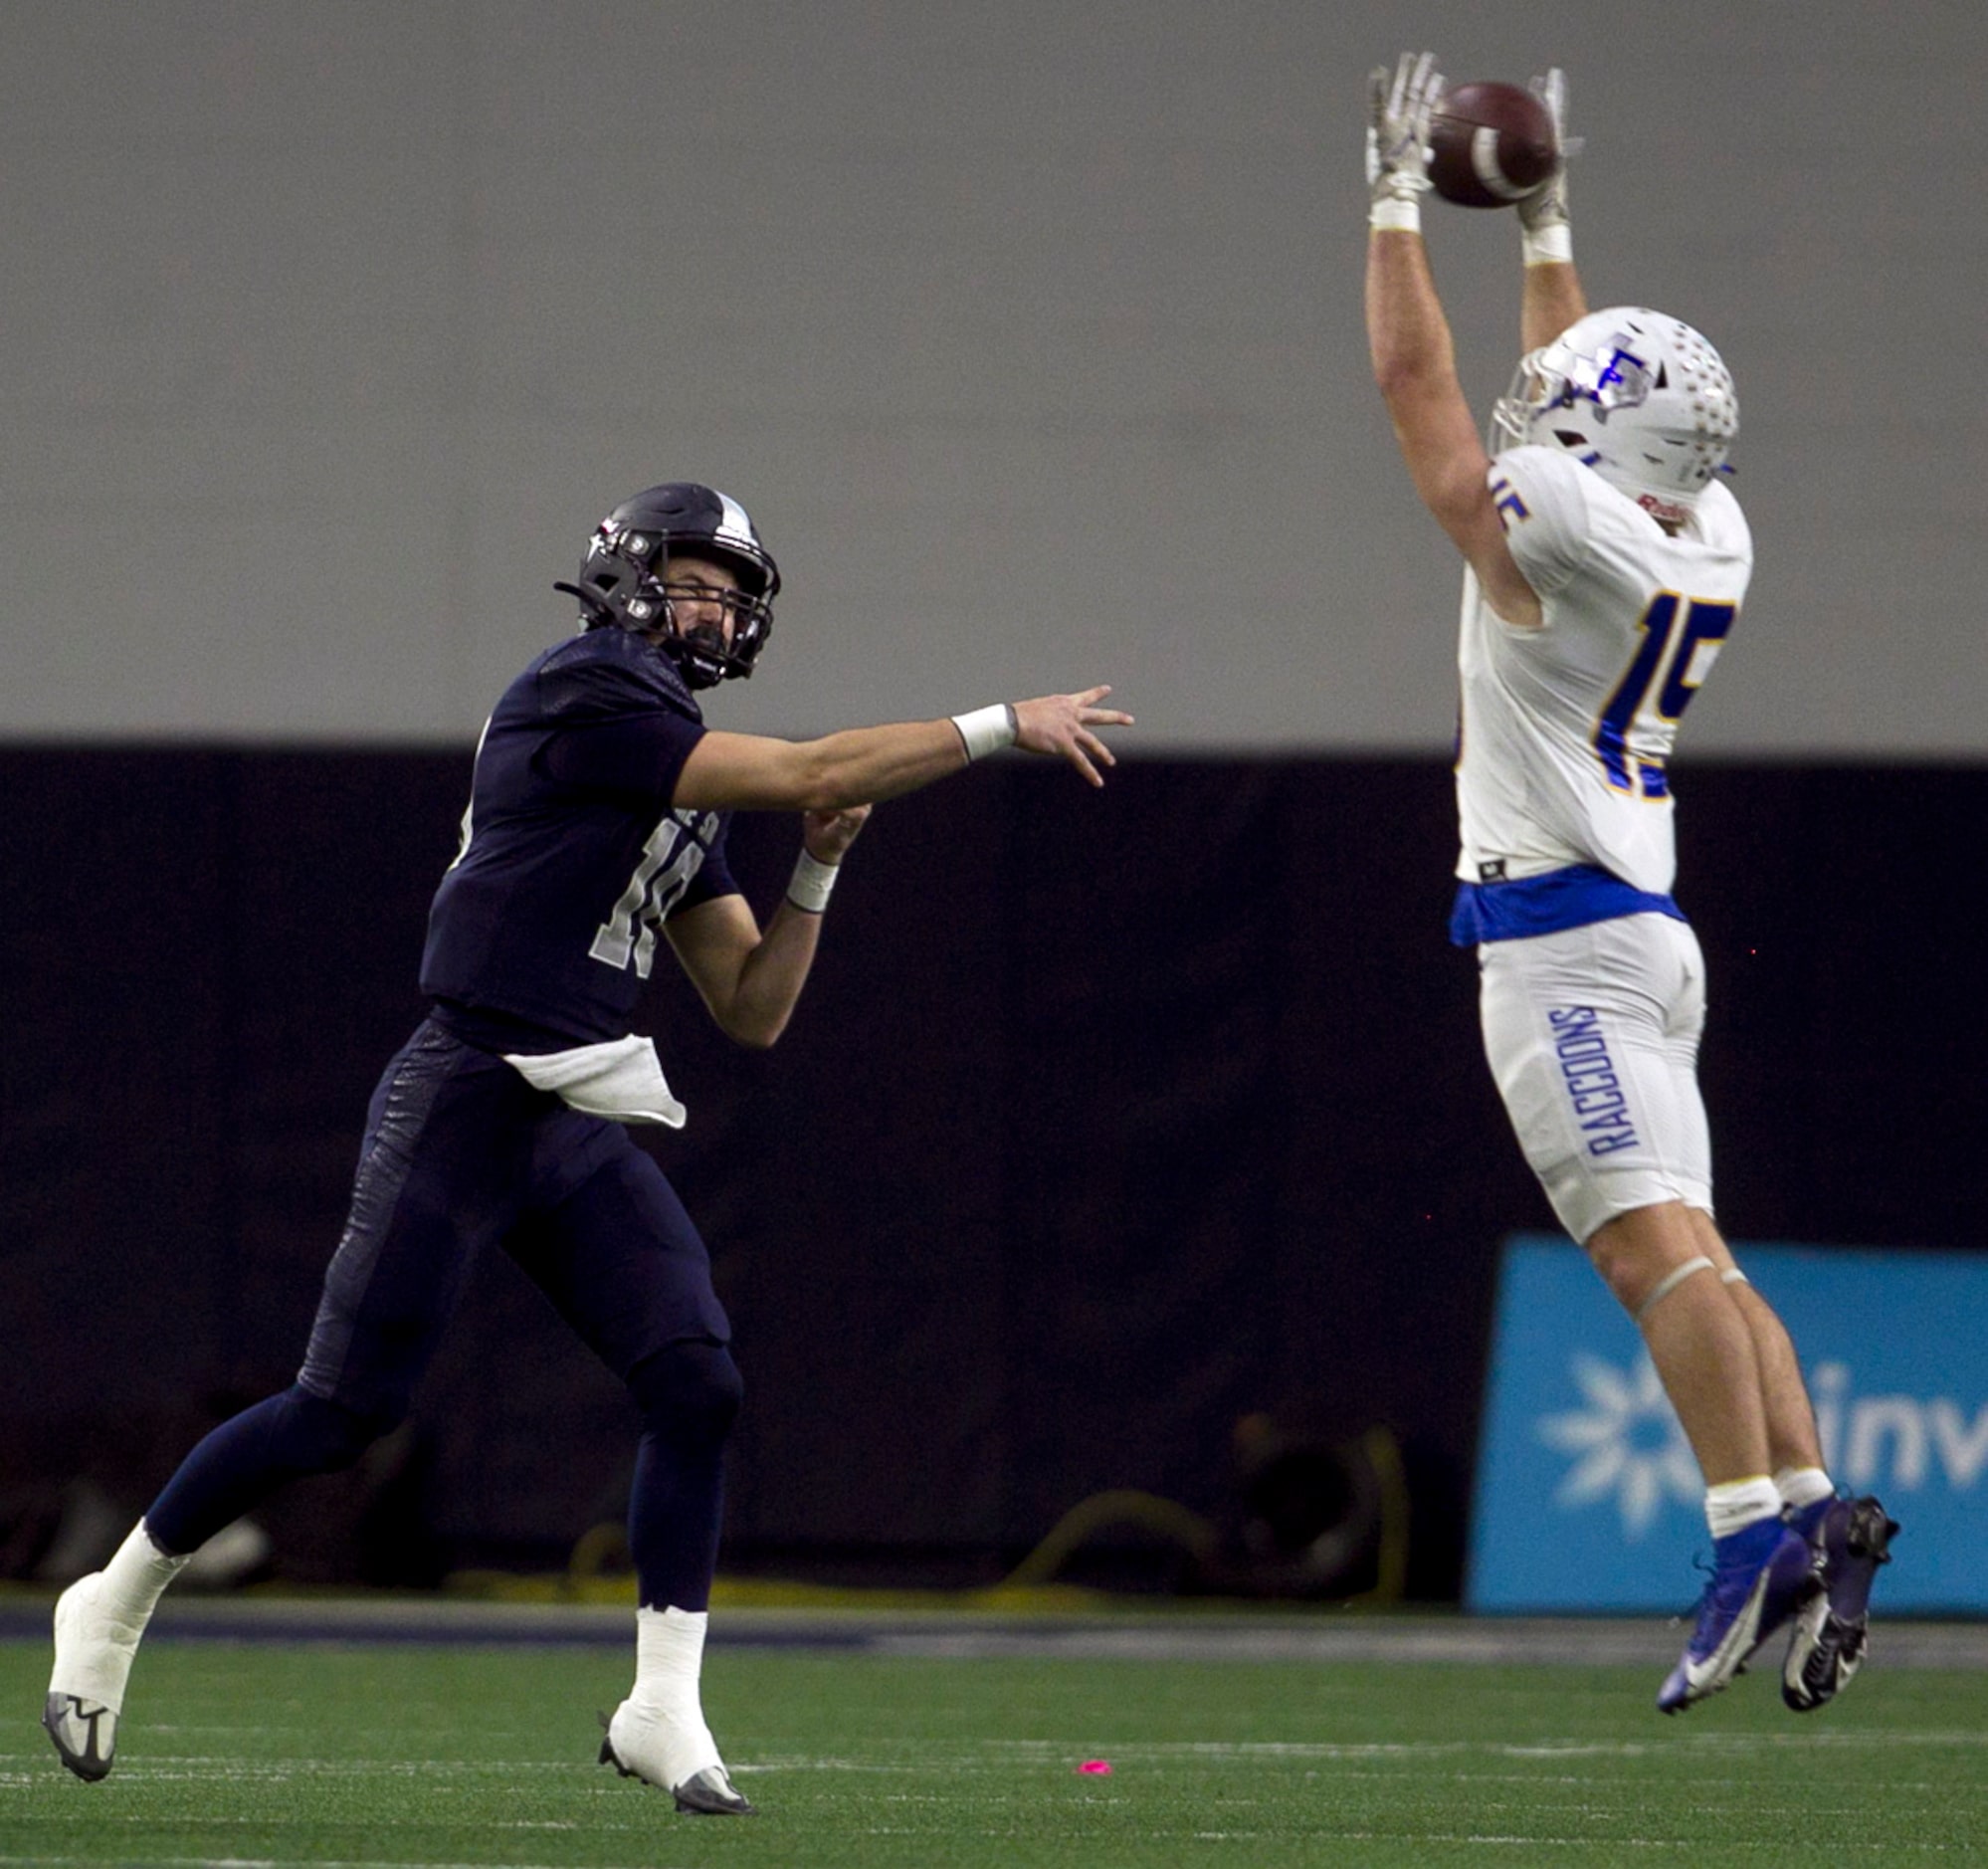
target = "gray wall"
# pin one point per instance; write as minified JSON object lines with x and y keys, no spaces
{"x":1030,"y":332}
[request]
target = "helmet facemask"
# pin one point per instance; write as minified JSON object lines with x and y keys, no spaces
{"x":708,"y":652}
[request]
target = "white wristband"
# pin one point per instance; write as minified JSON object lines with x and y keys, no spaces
{"x":987,"y":729}
{"x":1551,"y":245}
{"x":1396,"y":214}
{"x":808,"y":888}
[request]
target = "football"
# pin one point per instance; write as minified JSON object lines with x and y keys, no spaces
{"x":1490,"y":144}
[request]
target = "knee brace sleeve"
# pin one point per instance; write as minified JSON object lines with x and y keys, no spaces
{"x":689,"y":1392}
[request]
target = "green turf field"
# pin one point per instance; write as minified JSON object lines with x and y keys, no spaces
{"x":395,"y":1754}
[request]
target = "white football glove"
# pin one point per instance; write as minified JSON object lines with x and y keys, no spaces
{"x":1546,"y":206}
{"x":1398,"y":113}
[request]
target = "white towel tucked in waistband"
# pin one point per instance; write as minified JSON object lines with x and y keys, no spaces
{"x":622,"y":1079}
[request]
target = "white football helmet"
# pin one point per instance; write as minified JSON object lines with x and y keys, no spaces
{"x":1639,"y":396}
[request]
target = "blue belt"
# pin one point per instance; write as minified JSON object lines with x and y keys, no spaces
{"x":1544,"y":904}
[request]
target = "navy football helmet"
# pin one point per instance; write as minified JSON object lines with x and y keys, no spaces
{"x":625,"y":578}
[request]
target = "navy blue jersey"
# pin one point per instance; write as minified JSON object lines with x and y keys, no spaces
{"x":573,"y":858}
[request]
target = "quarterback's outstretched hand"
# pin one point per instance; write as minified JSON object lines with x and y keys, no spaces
{"x":1060,"y":724}
{"x":1546,"y":206}
{"x":1398,"y":113}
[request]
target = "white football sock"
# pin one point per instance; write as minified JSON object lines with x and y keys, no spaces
{"x":669,"y":1654}
{"x":1735,"y":1503}
{"x":137,"y":1575}
{"x":1803,"y":1486}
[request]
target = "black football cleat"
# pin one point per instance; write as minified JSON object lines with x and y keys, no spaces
{"x":93,"y":1659}
{"x":707,"y":1793}
{"x":1832,"y":1630}
{"x":711,"y":1794}
{"x":85,"y":1732}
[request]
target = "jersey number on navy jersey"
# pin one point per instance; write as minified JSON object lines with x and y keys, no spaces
{"x":672,"y":855}
{"x":1682,"y":666}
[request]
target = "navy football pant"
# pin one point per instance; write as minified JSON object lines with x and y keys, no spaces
{"x":460,"y":1152}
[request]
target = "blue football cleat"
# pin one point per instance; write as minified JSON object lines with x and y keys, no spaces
{"x":1850,"y":1539}
{"x":1762,"y":1577}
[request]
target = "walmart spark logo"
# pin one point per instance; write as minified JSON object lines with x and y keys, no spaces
{"x":1626,"y":1441}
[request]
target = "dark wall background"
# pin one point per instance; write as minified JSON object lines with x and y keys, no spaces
{"x":1109,"y":1123}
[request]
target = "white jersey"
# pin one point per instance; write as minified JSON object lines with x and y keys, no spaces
{"x":1566,"y":729}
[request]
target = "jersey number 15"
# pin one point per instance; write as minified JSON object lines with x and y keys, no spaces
{"x":1657,"y":685}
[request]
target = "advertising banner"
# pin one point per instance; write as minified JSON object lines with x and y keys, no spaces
{"x":1587,"y":1497}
